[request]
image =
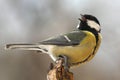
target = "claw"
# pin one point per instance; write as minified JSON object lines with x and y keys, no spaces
{"x":65,"y":62}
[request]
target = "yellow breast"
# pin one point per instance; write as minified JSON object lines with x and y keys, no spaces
{"x":76,"y":53}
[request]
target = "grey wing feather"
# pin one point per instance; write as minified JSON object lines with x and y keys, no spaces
{"x":72,"y":38}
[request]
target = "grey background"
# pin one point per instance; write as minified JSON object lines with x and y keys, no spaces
{"x":30,"y":21}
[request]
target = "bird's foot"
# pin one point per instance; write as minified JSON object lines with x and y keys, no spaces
{"x":65,"y":62}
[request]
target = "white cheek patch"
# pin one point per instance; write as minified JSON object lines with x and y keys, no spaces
{"x":93,"y":24}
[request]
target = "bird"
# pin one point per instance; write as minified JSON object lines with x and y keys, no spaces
{"x":78,"y":46}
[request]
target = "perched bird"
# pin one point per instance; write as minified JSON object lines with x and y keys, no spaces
{"x":79,"y":46}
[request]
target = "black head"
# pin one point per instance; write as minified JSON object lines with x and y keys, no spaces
{"x":90,"y":17}
{"x":89,"y":22}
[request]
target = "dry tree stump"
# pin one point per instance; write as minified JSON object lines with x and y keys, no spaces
{"x":58,"y":72}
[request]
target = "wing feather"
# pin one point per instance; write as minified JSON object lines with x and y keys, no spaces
{"x":72,"y":38}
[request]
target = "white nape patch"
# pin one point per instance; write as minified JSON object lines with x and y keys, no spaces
{"x":94,"y":25}
{"x":67,"y":38}
{"x":78,"y":26}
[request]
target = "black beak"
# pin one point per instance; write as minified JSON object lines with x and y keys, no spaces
{"x":81,"y":15}
{"x":82,"y":19}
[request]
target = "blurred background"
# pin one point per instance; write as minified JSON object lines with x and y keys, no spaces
{"x":30,"y":21}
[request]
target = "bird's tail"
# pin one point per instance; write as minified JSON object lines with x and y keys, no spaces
{"x":23,"y":47}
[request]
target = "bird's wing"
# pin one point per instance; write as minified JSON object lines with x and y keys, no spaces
{"x":72,"y":38}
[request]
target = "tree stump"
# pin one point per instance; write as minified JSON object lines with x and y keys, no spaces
{"x":58,"y":72}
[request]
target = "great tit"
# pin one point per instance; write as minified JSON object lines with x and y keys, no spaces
{"x":79,"y":46}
